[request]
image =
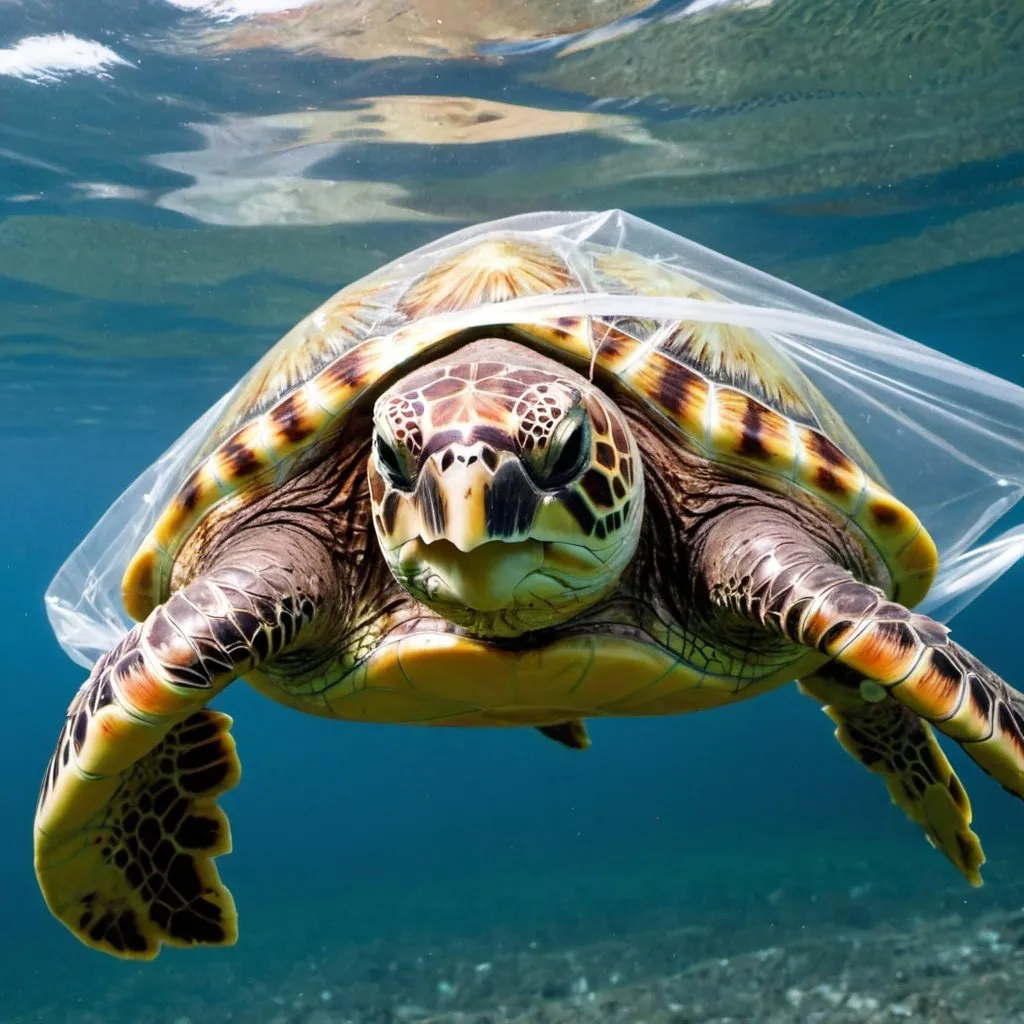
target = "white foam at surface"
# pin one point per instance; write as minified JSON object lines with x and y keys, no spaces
{"x":229,"y":10}
{"x":51,"y":57}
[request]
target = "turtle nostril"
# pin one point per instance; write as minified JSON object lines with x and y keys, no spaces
{"x":459,"y":455}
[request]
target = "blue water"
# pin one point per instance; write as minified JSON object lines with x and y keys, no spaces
{"x":143,"y":268}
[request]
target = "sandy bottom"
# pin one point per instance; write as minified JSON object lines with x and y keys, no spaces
{"x":840,"y":942}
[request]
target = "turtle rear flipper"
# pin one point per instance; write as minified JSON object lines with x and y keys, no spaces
{"x":893,"y":742}
{"x":572,"y":734}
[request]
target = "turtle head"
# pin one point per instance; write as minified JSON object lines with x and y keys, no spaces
{"x":507,"y":490}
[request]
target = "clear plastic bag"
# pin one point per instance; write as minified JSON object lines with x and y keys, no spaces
{"x":948,"y":437}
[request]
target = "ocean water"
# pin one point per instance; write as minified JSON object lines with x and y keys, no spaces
{"x":181,"y":181}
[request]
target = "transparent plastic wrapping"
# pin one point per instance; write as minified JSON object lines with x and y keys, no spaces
{"x":948,"y":437}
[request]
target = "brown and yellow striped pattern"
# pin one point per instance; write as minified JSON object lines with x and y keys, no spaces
{"x":312,"y":345}
{"x":260,"y":455}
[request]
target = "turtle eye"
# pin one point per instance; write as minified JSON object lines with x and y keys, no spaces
{"x":391,"y":466}
{"x":566,"y":453}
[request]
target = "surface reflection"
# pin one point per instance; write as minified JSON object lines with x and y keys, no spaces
{"x":277,"y":169}
{"x":233,"y":161}
{"x":378,"y":29}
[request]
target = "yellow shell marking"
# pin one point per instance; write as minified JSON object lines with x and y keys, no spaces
{"x":259,"y":454}
{"x":491,"y":271}
{"x":310,"y":346}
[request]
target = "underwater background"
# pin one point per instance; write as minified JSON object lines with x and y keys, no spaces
{"x":182,"y":180}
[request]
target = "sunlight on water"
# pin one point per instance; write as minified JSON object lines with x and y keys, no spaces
{"x":182,"y":181}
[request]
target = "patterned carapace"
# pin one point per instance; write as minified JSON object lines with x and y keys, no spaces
{"x":728,"y":391}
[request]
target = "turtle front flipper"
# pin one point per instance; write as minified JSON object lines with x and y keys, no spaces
{"x":761,"y":565}
{"x":127,"y":824}
{"x":892,"y":741}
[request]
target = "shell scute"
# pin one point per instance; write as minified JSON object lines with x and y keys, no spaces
{"x":567,"y":336}
{"x":738,"y":357}
{"x":494,"y":270}
{"x":680,"y":393}
{"x":726,"y":353}
{"x":313,"y":344}
{"x":623,"y":272}
{"x":290,"y":423}
{"x":238,"y":460}
{"x":140,"y":582}
{"x":743,"y":428}
{"x":616,"y":350}
{"x":826,"y":470}
{"x":903,"y":541}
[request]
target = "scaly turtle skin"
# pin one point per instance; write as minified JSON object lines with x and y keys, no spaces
{"x":528,"y":524}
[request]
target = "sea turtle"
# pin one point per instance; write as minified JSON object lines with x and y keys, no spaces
{"x":523,"y":524}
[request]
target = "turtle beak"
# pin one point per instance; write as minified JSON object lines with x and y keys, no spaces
{"x":467,"y":526}
{"x":476,"y":552}
{"x":463,"y":494}
{"x":474,"y":508}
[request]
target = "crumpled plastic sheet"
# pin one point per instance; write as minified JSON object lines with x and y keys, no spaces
{"x":947,"y":436}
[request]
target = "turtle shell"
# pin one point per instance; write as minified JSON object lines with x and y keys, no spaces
{"x":730,"y":392}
